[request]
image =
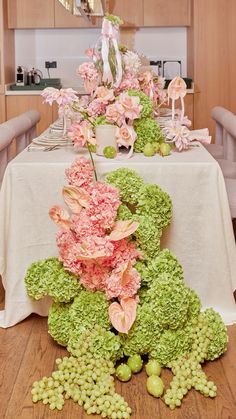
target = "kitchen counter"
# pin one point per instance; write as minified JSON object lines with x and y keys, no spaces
{"x":79,"y":90}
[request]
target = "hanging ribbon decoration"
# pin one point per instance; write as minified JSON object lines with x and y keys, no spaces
{"x":110,"y":32}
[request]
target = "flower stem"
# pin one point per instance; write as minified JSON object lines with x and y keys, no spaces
{"x":94,"y":168}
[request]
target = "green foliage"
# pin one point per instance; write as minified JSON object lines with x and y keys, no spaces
{"x":48,"y":277}
{"x":148,"y":131}
{"x":124,"y":213}
{"x":146,"y":103}
{"x":59,"y":322}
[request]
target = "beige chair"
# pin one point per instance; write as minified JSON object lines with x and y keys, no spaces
{"x":226,"y":138}
{"x":224,"y":147}
{"x":15,"y":135}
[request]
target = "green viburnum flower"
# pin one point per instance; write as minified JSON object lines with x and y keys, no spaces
{"x":144,"y":101}
{"x":102,"y":343}
{"x":171,"y":345}
{"x":124,"y":213}
{"x":59,"y":322}
{"x":88,"y":309}
{"x":219,"y":338}
{"x":148,"y":131}
{"x":156,"y":203}
{"x":169,"y":301}
{"x":100,"y":120}
{"x":128,"y":182}
{"x":165,"y":262}
{"x":143,"y":335}
{"x":48,"y":277}
{"x":148,"y":235}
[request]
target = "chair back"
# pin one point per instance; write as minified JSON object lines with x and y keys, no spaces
{"x":15,"y":135}
{"x":225,"y":131}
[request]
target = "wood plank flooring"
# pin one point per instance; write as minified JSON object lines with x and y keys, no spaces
{"x":27,"y":353}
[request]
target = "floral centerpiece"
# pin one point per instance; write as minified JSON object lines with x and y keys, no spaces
{"x":117,"y":294}
{"x":120,"y":91}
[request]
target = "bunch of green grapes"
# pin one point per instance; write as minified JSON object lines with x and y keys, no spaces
{"x":188,"y":373}
{"x":85,"y":379}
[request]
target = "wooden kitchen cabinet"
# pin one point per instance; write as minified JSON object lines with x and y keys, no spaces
{"x":17,"y":104}
{"x":30,"y":14}
{"x":131,"y":11}
{"x":2,"y":109}
{"x":166,"y":12}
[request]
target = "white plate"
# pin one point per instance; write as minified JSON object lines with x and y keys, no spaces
{"x":47,"y":142}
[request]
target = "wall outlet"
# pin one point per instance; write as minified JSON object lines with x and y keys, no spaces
{"x":50,"y":64}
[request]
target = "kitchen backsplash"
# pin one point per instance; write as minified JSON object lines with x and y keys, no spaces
{"x":66,"y":46}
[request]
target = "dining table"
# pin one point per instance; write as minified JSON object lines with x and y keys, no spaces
{"x":200,"y":233}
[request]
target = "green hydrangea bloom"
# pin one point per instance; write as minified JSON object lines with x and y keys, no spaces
{"x":103,"y":343}
{"x":194,"y":305}
{"x":59,"y":322}
{"x":144,"y":101}
{"x":144,"y":333}
{"x":165,"y":262}
{"x":128,"y":182}
{"x":148,"y":235}
{"x":124,"y":213}
{"x":219,"y":338}
{"x":48,"y":277}
{"x":88,"y":309}
{"x":148,"y":131}
{"x":171,"y":345}
{"x":169,"y":301}
{"x":153,"y":201}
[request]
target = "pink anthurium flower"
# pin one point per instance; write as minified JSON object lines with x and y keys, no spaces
{"x":123,"y":229}
{"x":75,"y":198}
{"x":60,"y":216}
{"x":123,"y":315}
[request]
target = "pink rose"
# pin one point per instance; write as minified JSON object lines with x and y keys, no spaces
{"x":103,"y":94}
{"x":81,"y":133}
{"x":131,"y":105}
{"x":115,"y":114}
{"x":126,"y":136}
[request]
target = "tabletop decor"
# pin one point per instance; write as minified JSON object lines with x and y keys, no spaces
{"x":117,"y":295}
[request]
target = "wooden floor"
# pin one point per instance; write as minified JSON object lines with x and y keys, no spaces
{"x":27,"y":353}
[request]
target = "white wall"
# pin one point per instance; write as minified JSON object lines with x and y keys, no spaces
{"x":66,"y":46}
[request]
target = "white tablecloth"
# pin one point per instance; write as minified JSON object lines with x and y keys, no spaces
{"x":200,"y":234}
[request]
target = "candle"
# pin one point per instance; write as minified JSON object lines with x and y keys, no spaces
{"x":105,"y":136}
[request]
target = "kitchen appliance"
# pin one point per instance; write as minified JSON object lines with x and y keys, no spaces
{"x":20,"y":76}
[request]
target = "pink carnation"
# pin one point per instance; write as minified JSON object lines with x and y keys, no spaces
{"x":94,"y":277}
{"x":129,"y":82}
{"x":124,"y":251}
{"x":80,"y":173}
{"x":104,"y":203}
{"x":88,"y":71}
{"x":124,"y":282}
{"x":66,"y":243}
{"x":96,"y":108}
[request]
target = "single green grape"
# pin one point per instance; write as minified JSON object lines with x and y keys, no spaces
{"x":109,"y":152}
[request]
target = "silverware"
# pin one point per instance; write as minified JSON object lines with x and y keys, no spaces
{"x":50,"y":148}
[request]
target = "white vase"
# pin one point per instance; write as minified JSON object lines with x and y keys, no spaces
{"x":105,"y":136}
